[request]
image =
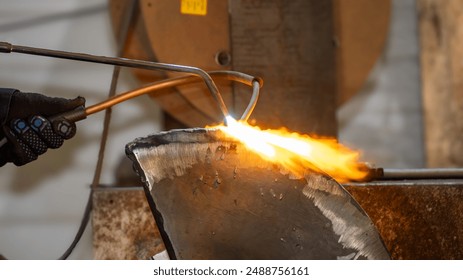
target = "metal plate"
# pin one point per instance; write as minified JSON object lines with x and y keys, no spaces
{"x":216,"y":200}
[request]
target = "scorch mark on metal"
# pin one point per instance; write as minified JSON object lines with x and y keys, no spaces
{"x":354,"y":228}
{"x":173,"y":160}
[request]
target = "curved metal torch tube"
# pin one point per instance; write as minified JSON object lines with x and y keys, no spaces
{"x":252,"y":103}
{"x":173,"y":82}
{"x":163,"y":84}
{"x":255,"y":82}
{"x":237,"y":77}
{"x":8,"y":48}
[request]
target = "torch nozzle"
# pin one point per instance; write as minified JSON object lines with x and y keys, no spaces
{"x":5,"y":47}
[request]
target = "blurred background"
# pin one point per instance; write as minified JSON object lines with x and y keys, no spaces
{"x":41,"y":204}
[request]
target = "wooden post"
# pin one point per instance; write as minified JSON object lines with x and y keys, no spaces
{"x":290,"y":45}
{"x":441,"y":35}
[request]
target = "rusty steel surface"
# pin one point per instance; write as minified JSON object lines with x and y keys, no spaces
{"x":417,"y":219}
{"x":217,"y":200}
{"x":123,"y":226}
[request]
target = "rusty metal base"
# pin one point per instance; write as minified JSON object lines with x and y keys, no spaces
{"x":419,"y":219}
{"x":123,"y":226}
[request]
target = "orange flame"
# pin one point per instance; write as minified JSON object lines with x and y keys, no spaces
{"x":297,"y":152}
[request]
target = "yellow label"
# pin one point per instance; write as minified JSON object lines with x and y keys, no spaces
{"x":194,"y":7}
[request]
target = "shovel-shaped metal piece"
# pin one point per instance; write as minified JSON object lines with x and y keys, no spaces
{"x":214,"y":199}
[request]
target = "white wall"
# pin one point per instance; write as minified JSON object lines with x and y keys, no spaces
{"x":41,"y":204}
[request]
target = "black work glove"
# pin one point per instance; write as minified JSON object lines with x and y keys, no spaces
{"x":26,"y":128}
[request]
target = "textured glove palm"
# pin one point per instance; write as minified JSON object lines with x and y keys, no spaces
{"x":26,"y":131}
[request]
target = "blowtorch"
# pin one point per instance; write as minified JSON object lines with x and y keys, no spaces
{"x":61,"y":122}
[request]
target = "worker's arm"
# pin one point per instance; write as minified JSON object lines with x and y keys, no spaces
{"x":29,"y":125}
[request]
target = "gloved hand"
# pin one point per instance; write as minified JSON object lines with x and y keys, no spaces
{"x":26,"y":131}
